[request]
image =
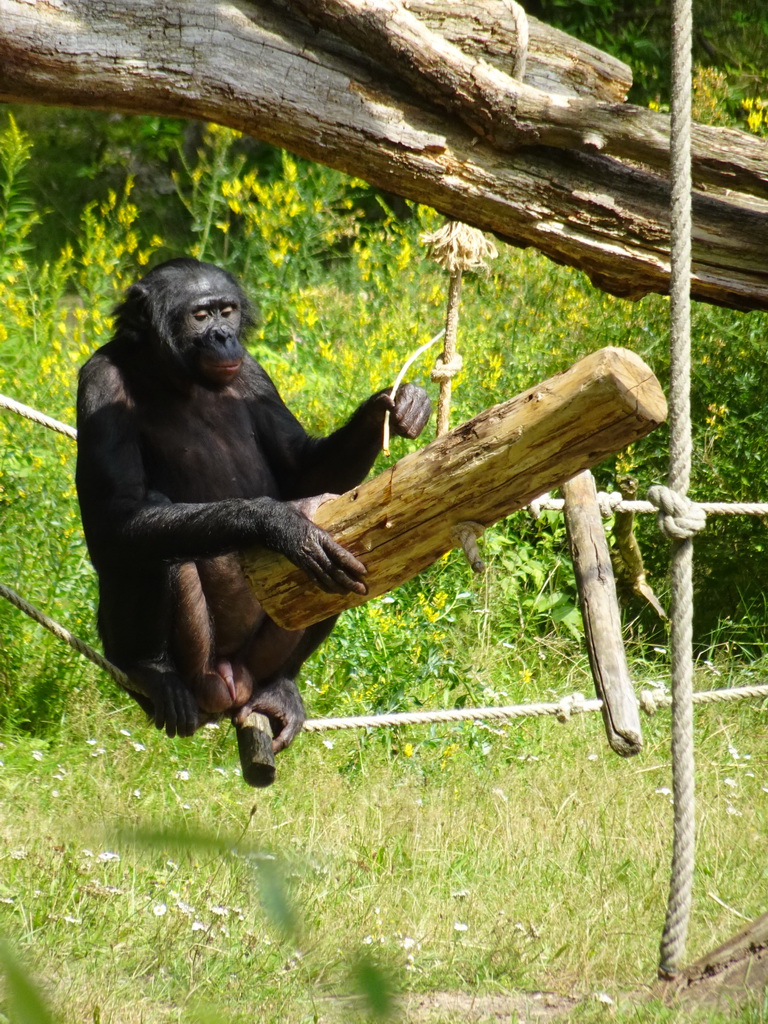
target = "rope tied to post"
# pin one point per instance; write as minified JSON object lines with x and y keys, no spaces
{"x":679,"y":518}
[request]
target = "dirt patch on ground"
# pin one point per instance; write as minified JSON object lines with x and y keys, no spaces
{"x":523,"y":1007}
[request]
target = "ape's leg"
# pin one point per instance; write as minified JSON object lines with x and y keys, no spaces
{"x":278,"y":696}
{"x":136,"y":604}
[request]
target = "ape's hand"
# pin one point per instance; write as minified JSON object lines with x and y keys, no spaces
{"x":281,"y":702}
{"x":328,"y":564}
{"x":165,"y":698}
{"x":409,"y":410}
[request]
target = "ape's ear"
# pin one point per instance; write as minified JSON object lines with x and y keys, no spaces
{"x":134,"y":313}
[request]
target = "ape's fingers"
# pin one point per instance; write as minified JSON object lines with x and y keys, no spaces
{"x":412,"y":410}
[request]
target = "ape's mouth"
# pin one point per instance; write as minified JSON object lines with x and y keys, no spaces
{"x":220,"y":373}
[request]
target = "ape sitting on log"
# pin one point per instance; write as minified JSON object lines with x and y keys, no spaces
{"x":186,"y":454}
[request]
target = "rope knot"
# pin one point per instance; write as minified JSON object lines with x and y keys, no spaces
{"x":446,"y":370}
{"x":679,"y":518}
{"x":607,"y":502}
{"x":574,"y":702}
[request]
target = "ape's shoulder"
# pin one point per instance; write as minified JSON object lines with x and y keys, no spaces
{"x":101,"y":381}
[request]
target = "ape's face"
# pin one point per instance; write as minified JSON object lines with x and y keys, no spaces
{"x":209,"y":338}
{"x":192,"y":315}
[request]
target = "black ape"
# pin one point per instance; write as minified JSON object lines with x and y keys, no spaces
{"x":186,"y":453}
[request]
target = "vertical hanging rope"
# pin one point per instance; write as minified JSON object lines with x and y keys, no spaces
{"x":673,"y":940}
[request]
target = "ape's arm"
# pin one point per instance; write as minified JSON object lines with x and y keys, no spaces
{"x":307,"y":465}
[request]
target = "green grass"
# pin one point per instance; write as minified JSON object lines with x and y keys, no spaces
{"x":133,"y":886}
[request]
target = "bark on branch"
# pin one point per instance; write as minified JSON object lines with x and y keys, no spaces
{"x":266,"y":70}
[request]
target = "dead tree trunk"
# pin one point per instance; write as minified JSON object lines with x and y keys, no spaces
{"x":434,"y":125}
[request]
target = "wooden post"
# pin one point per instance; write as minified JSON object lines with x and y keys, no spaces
{"x":402,"y":520}
{"x":600,"y":611}
{"x":254,"y":742}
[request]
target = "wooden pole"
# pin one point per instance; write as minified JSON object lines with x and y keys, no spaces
{"x":254,"y":742}
{"x":602,"y":618}
{"x":399,"y":522}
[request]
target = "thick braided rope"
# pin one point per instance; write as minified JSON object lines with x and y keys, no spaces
{"x":612,"y":501}
{"x":38,"y":417}
{"x":64,"y":634}
{"x":673,"y":940}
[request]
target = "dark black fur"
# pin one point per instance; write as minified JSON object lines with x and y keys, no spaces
{"x":186,"y":452}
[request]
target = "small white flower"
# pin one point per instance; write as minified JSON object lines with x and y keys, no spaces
{"x":328,"y":744}
{"x":124,"y":732}
{"x":592,"y":757}
{"x":198,"y":926}
{"x":603,"y":997}
{"x":138,"y":746}
{"x":408,"y":942}
{"x":137,"y":793}
{"x":87,"y":853}
{"x":211,"y":725}
{"x":185,"y":908}
{"x":6,"y":899}
{"x":367,"y":940}
{"x":97,"y":751}
{"x":54,"y":792}
{"x":71,"y":920}
{"x":664,"y":791}
{"x":19,"y":854}
{"x":460,"y":926}
{"x":730,"y":782}
{"x":730,"y":809}
{"x":38,"y":755}
{"x":460,"y":894}
{"x":91,"y":743}
{"x":59,"y":777}
{"x":183,"y":775}
{"x":220,"y":911}
{"x":108,"y":855}
{"x":221,"y":771}
{"x":159,"y":909}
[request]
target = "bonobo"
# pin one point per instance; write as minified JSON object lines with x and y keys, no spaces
{"x":186,"y":454}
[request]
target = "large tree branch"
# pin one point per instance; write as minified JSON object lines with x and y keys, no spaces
{"x":259,"y":67}
{"x":510,"y":114}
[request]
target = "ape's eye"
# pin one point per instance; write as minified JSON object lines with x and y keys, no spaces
{"x":201,"y":314}
{"x":227,"y":310}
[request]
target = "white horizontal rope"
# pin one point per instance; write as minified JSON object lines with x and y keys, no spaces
{"x":650,"y":700}
{"x":609,"y":504}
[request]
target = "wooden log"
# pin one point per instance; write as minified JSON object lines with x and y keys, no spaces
{"x":254,"y":742}
{"x":405,"y":518}
{"x":601,"y":614}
